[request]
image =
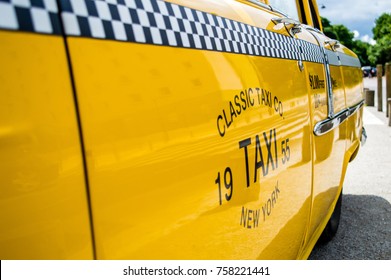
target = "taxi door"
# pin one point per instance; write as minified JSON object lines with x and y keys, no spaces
{"x":354,"y":94}
{"x":326,"y":87}
{"x":44,"y":211}
{"x":196,"y":127}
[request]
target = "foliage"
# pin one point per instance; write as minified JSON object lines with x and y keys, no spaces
{"x":382,"y":26}
{"x":362,"y":50}
{"x":380,"y":53}
{"x":328,"y":28}
{"x":338,"y":32}
{"x":344,"y":35}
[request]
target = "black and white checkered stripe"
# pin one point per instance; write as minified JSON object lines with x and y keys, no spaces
{"x":162,"y":23}
{"x":30,"y":15}
{"x":152,"y":22}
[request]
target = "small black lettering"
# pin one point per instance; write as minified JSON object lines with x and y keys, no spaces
{"x":243,"y":217}
{"x":250,"y":99}
{"x":244,"y":101}
{"x":239,"y":110}
{"x":268,"y":142}
{"x":219,"y":128}
{"x":249,"y":218}
{"x":269,"y":98}
{"x":316,"y":82}
{"x":226,"y":121}
{"x":270,"y":203}
{"x":232,"y":111}
{"x":259,"y":98}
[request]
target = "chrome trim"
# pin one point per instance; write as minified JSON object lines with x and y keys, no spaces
{"x":364,"y":136}
{"x":333,"y":58}
{"x":334,"y":44}
{"x":330,"y":95}
{"x":344,"y":59}
{"x":260,"y":4}
{"x":310,"y":28}
{"x":329,"y":87}
{"x":355,"y":108}
{"x":278,"y":11}
{"x":347,"y":60}
{"x":328,"y":124}
{"x":292,"y":26}
{"x":286,"y":20}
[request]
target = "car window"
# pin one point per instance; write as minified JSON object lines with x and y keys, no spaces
{"x":314,"y":15}
{"x":288,"y":7}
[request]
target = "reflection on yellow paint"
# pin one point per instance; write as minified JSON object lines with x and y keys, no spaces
{"x":190,"y":154}
{"x":43,"y":204}
{"x":139,"y":138}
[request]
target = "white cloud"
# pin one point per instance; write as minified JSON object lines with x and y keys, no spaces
{"x":368,"y":39}
{"x":353,"y":10}
{"x":357,"y":15}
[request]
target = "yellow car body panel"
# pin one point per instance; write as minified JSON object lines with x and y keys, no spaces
{"x":155,"y":149}
{"x":43,"y":200}
{"x":170,"y":145}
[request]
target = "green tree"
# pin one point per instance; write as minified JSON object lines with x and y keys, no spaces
{"x":328,"y":28}
{"x":380,"y":53}
{"x":382,"y":26}
{"x":344,"y":35}
{"x":362,"y":49}
{"x":339,"y":32}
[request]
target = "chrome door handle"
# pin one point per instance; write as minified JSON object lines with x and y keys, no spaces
{"x":292,"y":26}
{"x":332,"y":43}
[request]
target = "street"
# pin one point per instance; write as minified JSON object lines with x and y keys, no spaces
{"x":365,"y":228}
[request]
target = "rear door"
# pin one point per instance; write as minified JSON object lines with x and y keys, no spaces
{"x":329,"y":119}
{"x":44,"y":211}
{"x":196,"y":128}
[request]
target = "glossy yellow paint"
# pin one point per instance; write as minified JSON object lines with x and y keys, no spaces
{"x":353,"y":85}
{"x":354,"y":93}
{"x":339,"y":100}
{"x":154,"y":143}
{"x":190,"y":154}
{"x":43,"y":204}
{"x":154,"y":151}
{"x":334,"y":150}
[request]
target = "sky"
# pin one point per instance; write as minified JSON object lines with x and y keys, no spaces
{"x":357,"y":15}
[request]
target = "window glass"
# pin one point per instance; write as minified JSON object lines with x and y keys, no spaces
{"x":314,"y":16}
{"x":288,"y":7}
{"x":302,"y":12}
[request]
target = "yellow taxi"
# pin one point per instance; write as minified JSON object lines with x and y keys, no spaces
{"x":214,"y":129}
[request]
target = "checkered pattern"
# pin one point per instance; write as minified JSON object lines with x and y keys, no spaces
{"x":30,"y":15}
{"x":162,"y":23}
{"x":153,"y":22}
{"x":311,"y":52}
